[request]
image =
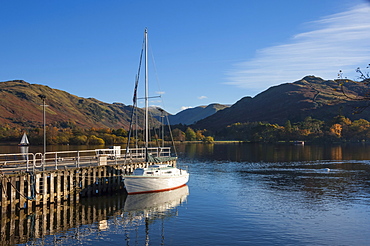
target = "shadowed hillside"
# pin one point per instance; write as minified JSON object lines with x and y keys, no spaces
{"x":188,"y":116}
{"x":310,"y":96}
{"x":192,"y":115}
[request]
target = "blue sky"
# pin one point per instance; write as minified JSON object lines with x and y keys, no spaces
{"x":204,"y":51}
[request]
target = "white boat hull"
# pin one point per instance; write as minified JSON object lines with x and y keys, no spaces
{"x":147,"y":184}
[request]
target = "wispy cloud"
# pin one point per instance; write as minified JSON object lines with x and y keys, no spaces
{"x":336,"y":42}
{"x":202,"y":97}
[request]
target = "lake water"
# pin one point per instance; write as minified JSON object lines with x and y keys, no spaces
{"x":242,"y":194}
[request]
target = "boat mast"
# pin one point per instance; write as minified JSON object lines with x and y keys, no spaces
{"x":146,"y":90}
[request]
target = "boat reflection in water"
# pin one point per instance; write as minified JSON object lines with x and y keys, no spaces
{"x":158,"y":202}
{"x":145,"y":209}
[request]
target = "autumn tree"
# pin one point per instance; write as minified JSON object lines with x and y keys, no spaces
{"x":336,"y":130}
{"x":178,"y":135}
{"x":360,"y":129}
{"x":120,"y":132}
{"x":311,"y":127}
{"x":78,"y":140}
{"x":94,"y":140}
{"x":199,"y":135}
{"x":190,"y":134}
{"x":208,"y":139}
{"x":265,"y":132}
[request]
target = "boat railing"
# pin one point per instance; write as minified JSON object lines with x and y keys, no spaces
{"x":160,"y":151}
{"x":153,"y":151}
{"x":184,"y":168}
{"x":70,"y":159}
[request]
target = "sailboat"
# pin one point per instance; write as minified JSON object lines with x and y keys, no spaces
{"x":24,"y":140}
{"x":158,"y":175}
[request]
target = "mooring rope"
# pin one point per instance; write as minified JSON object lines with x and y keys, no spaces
{"x":33,"y":187}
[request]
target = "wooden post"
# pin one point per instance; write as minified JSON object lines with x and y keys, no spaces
{"x":71,"y":187}
{"x":44,"y":219}
{"x":12,"y":229}
{"x":105,"y":181}
{"x":84,"y":182}
{"x":51,"y":188}
{"x":4,"y":196}
{"x":57,"y":217}
{"x":28,"y":192}
{"x":37,"y":224}
{"x":38,"y":188}
{"x":12,"y":197}
{"x":45,"y":189}
{"x":93,"y":183}
{"x":51,"y":219}
{"x":89,"y":182}
{"x":64,"y":216}
{"x":77,"y":184}
{"x":65,"y":191}
{"x":58,"y":187}
{"x":109,"y":171}
{"x":21,"y":228}
{"x":22,"y":199}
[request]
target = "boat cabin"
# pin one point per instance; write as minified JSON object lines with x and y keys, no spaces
{"x":155,"y":170}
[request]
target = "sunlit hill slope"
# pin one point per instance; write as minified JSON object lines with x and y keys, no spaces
{"x":20,"y":105}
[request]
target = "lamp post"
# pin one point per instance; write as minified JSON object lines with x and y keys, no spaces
{"x":43,"y":97}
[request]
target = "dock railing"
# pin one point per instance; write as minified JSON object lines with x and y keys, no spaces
{"x":75,"y":159}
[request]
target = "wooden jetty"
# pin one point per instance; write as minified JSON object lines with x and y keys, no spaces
{"x":28,"y":180}
{"x":65,"y":218}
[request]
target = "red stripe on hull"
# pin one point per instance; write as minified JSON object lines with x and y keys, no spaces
{"x":154,"y":191}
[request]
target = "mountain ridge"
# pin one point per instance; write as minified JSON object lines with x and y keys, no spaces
{"x":20,"y":105}
{"x":310,"y":96}
{"x":192,"y":115}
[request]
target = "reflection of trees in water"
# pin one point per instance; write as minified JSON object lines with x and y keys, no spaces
{"x":195,"y":150}
{"x":272,"y":152}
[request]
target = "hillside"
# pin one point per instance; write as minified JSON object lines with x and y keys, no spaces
{"x":187,"y":116}
{"x":192,"y":115}
{"x":310,"y":96}
{"x":20,"y":105}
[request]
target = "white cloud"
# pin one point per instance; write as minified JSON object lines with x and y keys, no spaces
{"x":337,"y":42}
{"x":185,"y":107}
{"x":202,"y":97}
{"x":160,"y":92}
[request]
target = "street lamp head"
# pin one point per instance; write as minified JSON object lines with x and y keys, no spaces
{"x":42,"y":96}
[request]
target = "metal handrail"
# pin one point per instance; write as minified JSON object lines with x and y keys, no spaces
{"x":75,"y":158}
